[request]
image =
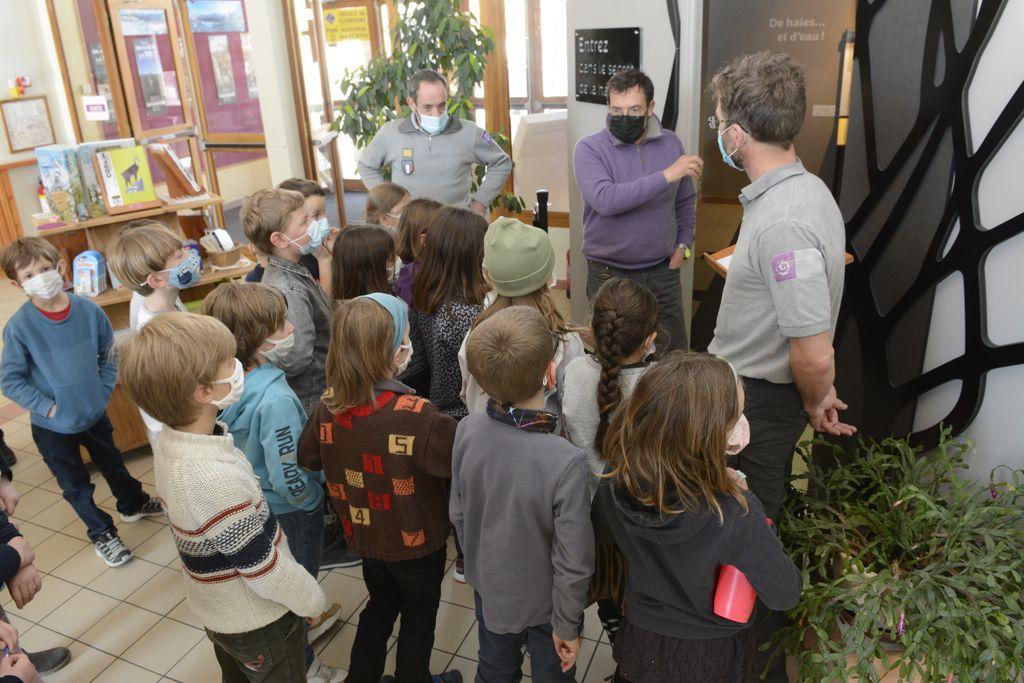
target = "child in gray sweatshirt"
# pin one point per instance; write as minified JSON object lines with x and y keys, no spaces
{"x":520,"y":505}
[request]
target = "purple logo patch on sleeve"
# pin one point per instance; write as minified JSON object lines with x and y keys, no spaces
{"x":486,"y":137}
{"x":784,"y":266}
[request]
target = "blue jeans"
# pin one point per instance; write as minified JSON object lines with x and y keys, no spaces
{"x":501,"y":654}
{"x":305,"y":534}
{"x":60,"y":453}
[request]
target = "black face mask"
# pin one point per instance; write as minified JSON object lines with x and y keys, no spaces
{"x":629,"y":129}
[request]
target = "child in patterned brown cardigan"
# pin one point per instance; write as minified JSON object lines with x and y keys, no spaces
{"x":385,"y":454}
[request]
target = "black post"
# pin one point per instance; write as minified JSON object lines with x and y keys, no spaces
{"x":540,"y":211}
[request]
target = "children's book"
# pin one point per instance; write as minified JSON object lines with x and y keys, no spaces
{"x":126,"y":180}
{"x":62,"y":181}
{"x":180,"y":180}
{"x":90,"y":183}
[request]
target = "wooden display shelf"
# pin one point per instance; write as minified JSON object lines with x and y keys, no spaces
{"x":211,"y":276}
{"x":202,"y":202}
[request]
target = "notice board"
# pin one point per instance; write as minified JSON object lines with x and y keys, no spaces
{"x":599,"y":53}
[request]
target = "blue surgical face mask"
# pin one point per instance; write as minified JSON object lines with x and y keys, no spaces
{"x":186,"y":274}
{"x":726,"y":157}
{"x":433,"y":124}
{"x":317,"y":231}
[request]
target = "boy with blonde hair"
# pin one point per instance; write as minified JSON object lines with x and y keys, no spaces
{"x":149,"y":259}
{"x":241,"y":580}
{"x":530,"y":579}
{"x":56,"y":364}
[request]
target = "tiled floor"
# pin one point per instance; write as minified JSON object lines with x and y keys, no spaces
{"x":132,"y":624}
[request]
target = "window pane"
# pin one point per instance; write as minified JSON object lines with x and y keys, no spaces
{"x":227,"y":80}
{"x":151,"y":64}
{"x":515,"y":46}
{"x":553,"y":54}
{"x":345,"y":55}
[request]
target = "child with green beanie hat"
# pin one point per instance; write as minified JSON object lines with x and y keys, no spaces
{"x":519,"y":264}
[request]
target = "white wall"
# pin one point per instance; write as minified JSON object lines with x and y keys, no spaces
{"x":656,"y":52}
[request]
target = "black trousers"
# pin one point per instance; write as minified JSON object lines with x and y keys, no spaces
{"x":777,"y":419}
{"x":663,"y":282}
{"x":413,"y":589}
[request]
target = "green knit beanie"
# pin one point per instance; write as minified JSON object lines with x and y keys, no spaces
{"x":518,"y":257}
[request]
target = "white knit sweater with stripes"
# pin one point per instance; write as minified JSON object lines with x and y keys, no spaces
{"x":239,"y":573}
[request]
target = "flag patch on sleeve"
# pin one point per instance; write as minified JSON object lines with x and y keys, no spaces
{"x":797,"y":264}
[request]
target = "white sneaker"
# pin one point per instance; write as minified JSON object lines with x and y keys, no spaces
{"x":321,"y":673}
{"x":324,"y":622}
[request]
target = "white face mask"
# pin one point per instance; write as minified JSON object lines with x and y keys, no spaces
{"x":237,"y":382}
{"x":46,"y":285}
{"x":404,"y":365}
{"x":280,"y":347}
{"x":739,"y":437}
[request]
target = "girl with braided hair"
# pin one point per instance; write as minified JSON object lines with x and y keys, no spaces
{"x":625,"y":325}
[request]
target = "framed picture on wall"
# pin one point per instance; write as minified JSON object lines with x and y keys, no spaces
{"x":217,"y":16}
{"x":27,"y":123}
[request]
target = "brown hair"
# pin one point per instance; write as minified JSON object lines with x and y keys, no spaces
{"x":307,"y":188}
{"x":252,"y":311}
{"x":25,"y":251}
{"x":764,"y":94}
{"x":140,"y":249}
{"x":625,"y":314}
{"x":450,"y":268}
{"x":666,"y":444}
{"x":362,"y":334}
{"x":540,"y":299}
{"x":266,"y":212}
{"x":509,"y":353}
{"x":413,"y":225}
{"x":162,"y":364}
{"x":360,"y":261}
{"x":381,"y":199}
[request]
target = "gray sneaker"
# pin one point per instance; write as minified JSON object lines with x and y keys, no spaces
{"x":47,"y":661}
{"x":151,"y":508}
{"x":111,"y":550}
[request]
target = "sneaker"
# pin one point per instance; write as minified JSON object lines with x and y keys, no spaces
{"x":319,"y":672}
{"x":338,"y":555}
{"x":48,"y":661}
{"x":151,"y":508}
{"x":111,"y":550}
{"x":460,"y":571}
{"x":324,"y":622}
{"x":449,"y":676}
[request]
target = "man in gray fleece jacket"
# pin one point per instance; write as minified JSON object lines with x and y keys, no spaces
{"x":432,"y":154}
{"x":520,"y":505}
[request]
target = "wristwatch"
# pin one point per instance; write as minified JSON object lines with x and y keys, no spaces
{"x":686,"y":250}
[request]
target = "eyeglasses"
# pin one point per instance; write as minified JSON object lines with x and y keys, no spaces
{"x":632,"y":111}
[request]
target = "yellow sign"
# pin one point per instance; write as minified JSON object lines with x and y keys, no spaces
{"x":346,"y":23}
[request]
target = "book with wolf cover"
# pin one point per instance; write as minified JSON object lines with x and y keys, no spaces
{"x":180,"y":180}
{"x":126,"y":180}
{"x":62,"y":181}
{"x":93,"y":191}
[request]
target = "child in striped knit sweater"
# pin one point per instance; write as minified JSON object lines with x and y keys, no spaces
{"x":241,"y":580}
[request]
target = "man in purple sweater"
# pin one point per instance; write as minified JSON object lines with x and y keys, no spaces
{"x":639,"y":207}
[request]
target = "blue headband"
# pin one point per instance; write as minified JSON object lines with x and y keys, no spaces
{"x":399,"y":314}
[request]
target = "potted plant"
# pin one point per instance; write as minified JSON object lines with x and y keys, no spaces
{"x":910,"y":569}
{"x":434,"y":35}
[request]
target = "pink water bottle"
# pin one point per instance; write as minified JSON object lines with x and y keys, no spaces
{"x":734,"y":596}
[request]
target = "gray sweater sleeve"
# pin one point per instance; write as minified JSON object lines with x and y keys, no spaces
{"x":572,"y":549}
{"x":373,"y":158}
{"x":300,"y":315}
{"x":487,"y":153}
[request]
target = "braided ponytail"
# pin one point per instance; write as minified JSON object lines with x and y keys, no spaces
{"x":625,"y":314}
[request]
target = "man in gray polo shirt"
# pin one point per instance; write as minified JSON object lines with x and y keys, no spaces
{"x":432,"y":154}
{"x":781,"y":298}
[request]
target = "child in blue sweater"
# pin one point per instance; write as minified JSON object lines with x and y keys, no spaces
{"x":56,"y":365}
{"x":268,"y":419}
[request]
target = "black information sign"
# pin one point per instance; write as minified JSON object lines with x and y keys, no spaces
{"x":600,"y":52}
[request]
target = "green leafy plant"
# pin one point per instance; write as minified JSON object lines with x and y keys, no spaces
{"x":908,"y":566}
{"x":436,"y":35}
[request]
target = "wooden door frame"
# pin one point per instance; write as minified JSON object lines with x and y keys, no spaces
{"x":184,"y":91}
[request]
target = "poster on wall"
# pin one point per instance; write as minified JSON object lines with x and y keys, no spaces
{"x":27,"y":123}
{"x":151,"y":73}
{"x":143,"y":22}
{"x":223,"y":71}
{"x":250,"y":71}
{"x":216,"y":16}
{"x":599,"y":53}
{"x":346,"y":23}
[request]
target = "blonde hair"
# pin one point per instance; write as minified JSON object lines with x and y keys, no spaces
{"x":266,"y":212}
{"x":381,"y":199}
{"x":666,"y":443}
{"x":362,"y":335}
{"x":509,"y":352}
{"x":252,"y":311}
{"x":540,"y":299}
{"x":162,"y":364}
{"x":140,"y":249}
{"x":25,"y":251}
